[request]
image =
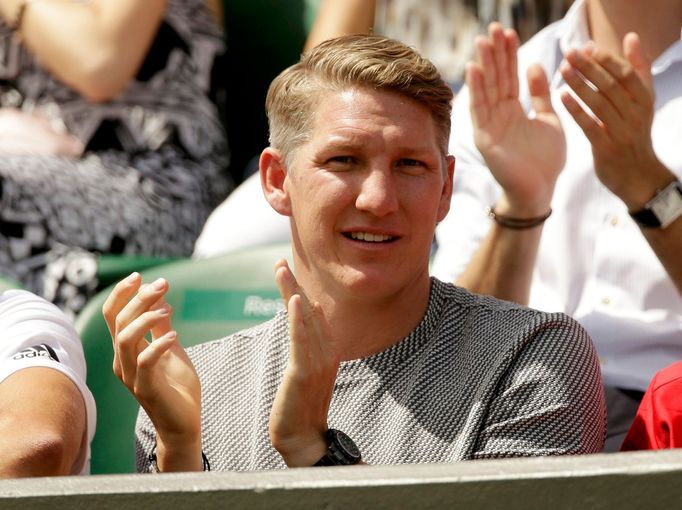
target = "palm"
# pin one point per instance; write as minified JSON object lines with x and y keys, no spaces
{"x":171,"y":392}
{"x":524,"y":154}
{"x":298,"y":417}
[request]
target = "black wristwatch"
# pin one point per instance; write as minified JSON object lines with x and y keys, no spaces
{"x":341,"y":450}
{"x":664,"y":208}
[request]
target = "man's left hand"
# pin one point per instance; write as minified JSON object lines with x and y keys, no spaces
{"x":298,"y":419}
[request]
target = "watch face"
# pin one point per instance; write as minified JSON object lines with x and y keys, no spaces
{"x":667,"y":205}
{"x":347,"y":444}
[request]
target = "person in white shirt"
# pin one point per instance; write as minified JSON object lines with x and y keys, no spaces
{"x":602,"y":169}
{"x":47,"y":413}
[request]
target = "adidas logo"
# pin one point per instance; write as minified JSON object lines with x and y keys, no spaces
{"x":37,"y":351}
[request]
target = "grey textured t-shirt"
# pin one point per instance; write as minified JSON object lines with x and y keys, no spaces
{"x":477,"y":378}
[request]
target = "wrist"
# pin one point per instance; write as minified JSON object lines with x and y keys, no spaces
{"x":174,"y":457}
{"x":522,"y":210}
{"x":302,"y":452}
{"x":638,"y":194}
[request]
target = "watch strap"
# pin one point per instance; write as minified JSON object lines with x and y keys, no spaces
{"x":341,"y":450}
{"x":646,"y":218}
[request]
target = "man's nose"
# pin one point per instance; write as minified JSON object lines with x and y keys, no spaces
{"x":378,"y":193}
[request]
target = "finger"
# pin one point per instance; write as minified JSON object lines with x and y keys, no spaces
{"x":484,"y":52}
{"x":300,"y":352}
{"x":600,"y":106}
{"x":590,"y":126}
{"x":130,"y":342}
{"x":148,"y":359}
{"x":637,"y":81}
{"x":164,"y":325}
{"x":512,"y":40}
{"x":288,"y":285}
{"x":607,"y":85}
{"x":478,"y":104}
{"x":141,"y":302}
{"x":119,"y":297}
{"x":500,"y":55}
{"x":634,"y":53}
{"x":286,"y":282}
{"x":539,"y":89}
{"x":324,"y":340}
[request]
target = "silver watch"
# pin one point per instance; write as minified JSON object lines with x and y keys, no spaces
{"x":664,"y":208}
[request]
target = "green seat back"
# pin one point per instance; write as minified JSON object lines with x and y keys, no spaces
{"x":210,"y":298}
{"x":7,"y":283}
{"x":112,"y":268}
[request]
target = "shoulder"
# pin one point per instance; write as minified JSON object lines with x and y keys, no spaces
{"x":506,"y":314}
{"x":668,"y":379}
{"x":27,"y":320}
{"x":511,"y":327}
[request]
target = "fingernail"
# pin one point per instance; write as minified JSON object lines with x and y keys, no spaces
{"x":158,"y":284}
{"x":132,"y":277}
{"x":164,"y":310}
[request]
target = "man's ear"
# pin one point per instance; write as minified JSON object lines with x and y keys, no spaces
{"x":446,"y":194}
{"x":273,"y":175}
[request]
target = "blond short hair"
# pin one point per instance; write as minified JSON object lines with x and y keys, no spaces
{"x":371,"y":61}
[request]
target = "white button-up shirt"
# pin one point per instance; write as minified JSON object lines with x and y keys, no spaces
{"x":593,"y":262}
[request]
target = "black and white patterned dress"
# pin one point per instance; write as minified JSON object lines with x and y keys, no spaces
{"x":477,"y":378}
{"x":155,"y":162}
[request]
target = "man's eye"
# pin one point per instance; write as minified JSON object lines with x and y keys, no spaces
{"x":344,"y":160}
{"x":410,"y":162}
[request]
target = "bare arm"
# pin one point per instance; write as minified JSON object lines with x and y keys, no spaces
{"x":95,"y":47}
{"x":340,"y":17}
{"x":42,"y":424}
{"x":524,"y":155}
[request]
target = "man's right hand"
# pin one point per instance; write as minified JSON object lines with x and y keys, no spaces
{"x":158,"y":373}
{"x":525,"y":155}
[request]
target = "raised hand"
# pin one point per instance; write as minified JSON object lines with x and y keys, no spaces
{"x":525,"y":154}
{"x":159,"y":373}
{"x":620,"y":98}
{"x":298,"y":419}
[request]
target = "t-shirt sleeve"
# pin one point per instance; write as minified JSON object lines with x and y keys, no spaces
{"x":550,"y":400}
{"x":145,"y":441}
{"x":35,"y":333}
{"x":658,"y":423}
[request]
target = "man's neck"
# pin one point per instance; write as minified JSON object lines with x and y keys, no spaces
{"x":656,"y":21}
{"x":362,"y":327}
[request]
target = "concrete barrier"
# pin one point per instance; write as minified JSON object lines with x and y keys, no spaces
{"x":639,"y":480}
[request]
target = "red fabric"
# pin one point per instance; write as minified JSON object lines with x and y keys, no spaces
{"x":658,"y":423}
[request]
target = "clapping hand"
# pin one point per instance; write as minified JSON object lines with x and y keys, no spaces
{"x":159,"y":373}
{"x":298,"y":420}
{"x":525,"y":154}
{"x":620,"y":97}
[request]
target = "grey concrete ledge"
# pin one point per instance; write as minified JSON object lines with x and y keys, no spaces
{"x":620,"y":481}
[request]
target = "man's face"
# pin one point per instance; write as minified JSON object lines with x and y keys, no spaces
{"x":365,"y":193}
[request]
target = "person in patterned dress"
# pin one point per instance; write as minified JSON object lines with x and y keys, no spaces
{"x":111,"y":143}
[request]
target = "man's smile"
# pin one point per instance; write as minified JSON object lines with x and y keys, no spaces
{"x":369,"y":237}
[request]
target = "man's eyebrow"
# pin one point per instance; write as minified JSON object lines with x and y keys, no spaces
{"x":342,"y":144}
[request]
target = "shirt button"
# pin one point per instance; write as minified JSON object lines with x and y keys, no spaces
{"x":614,"y":220}
{"x":605,"y":300}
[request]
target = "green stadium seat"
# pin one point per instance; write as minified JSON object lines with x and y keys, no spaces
{"x":7,"y":283}
{"x":210,"y":298}
{"x":112,"y":268}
